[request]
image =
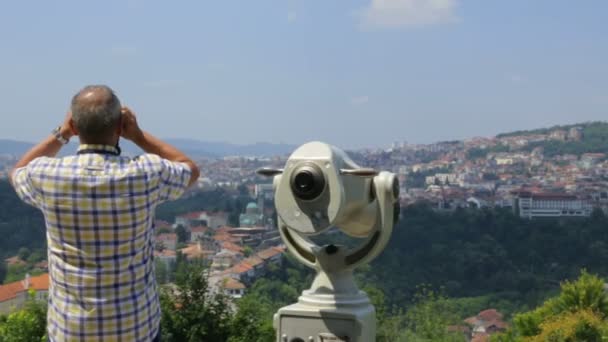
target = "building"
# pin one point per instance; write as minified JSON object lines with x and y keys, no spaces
{"x":202,"y":218}
{"x":214,"y":220}
{"x":589,"y":160}
{"x":166,"y":256}
{"x":442,"y":178}
{"x":575,"y":134}
{"x":541,"y":204}
{"x":199,"y":233}
{"x":167,"y":240}
{"x":225,"y":259}
{"x":233,"y":288}
{"x":252,"y":216}
{"x":265,"y":191}
{"x":558,"y":134}
{"x":272,"y":255}
{"x":197,"y":251}
{"x":486,"y":323}
{"x":14,"y":295}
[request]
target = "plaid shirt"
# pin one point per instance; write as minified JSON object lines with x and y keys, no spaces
{"x":99,"y":212}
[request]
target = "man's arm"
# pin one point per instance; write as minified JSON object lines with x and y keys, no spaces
{"x":46,"y":148}
{"x":151,"y":144}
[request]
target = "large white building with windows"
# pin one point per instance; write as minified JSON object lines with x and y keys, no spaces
{"x":535,"y":204}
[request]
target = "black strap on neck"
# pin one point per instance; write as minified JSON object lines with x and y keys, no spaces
{"x":100,"y":151}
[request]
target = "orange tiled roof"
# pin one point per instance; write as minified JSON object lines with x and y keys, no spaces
{"x":232,"y":284}
{"x":195,"y":251}
{"x":14,"y":261}
{"x":162,"y":224}
{"x":482,"y":337}
{"x":166,"y":237}
{"x":12,"y":290}
{"x":241,"y":268}
{"x":165,"y":253}
{"x":222,"y":237}
{"x":253,"y":260}
{"x":232,"y":247}
{"x":268,"y":253}
{"x":42,"y":264}
{"x":490,"y":315}
{"x":40,"y":283}
{"x":199,"y":229}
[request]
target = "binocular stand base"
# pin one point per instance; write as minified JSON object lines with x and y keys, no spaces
{"x":327,"y":318}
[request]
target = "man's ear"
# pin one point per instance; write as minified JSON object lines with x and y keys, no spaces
{"x":73,"y":127}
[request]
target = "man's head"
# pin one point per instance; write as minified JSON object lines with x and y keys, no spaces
{"x":96,"y":115}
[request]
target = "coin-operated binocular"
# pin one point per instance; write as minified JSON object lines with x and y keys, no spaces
{"x":320,"y":188}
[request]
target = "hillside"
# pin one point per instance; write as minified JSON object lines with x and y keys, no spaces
{"x":547,"y":130}
{"x":20,"y":224}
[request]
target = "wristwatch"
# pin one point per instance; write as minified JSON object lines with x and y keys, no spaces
{"x":57,"y":133}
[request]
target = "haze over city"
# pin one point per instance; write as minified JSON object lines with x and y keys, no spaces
{"x":355,"y":74}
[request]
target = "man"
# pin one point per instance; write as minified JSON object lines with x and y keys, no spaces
{"x":99,"y":212}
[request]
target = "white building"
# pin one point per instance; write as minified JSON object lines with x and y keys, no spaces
{"x":532,"y":205}
{"x":14,"y":295}
{"x":443,"y":178}
{"x":265,"y":191}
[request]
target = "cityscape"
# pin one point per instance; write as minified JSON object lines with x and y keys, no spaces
{"x":521,"y":172}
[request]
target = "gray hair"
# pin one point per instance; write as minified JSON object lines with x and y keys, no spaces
{"x":96,"y":112}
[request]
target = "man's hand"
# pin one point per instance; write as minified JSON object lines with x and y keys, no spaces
{"x":130,"y":129}
{"x":66,"y":130}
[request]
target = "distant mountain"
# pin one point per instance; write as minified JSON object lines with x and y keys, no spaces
{"x":192,"y":147}
{"x":14,"y":147}
{"x":227,"y":149}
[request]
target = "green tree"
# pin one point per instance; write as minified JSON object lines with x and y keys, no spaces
{"x":23,"y":253}
{"x":36,"y":256}
{"x":190,"y":313}
{"x":26,"y":325}
{"x":247,"y":251}
{"x":428,"y":319}
{"x":182,"y":234}
{"x":161,"y":271}
{"x":578,"y":313}
{"x":253,"y":321}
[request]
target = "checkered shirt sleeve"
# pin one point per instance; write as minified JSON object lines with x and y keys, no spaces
{"x":23,"y":183}
{"x":174,"y":179}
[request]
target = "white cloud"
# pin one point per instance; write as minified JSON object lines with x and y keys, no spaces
{"x":407,"y":13}
{"x":292,"y":16}
{"x":359,"y":100}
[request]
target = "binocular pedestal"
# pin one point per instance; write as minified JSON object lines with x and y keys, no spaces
{"x":333,"y":309}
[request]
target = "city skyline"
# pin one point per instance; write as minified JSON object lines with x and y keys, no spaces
{"x":356,"y":74}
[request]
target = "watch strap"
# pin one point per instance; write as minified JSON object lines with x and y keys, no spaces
{"x":57,"y":133}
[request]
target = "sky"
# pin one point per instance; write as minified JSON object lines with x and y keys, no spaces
{"x":360,"y":73}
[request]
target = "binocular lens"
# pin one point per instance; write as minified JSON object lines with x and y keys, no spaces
{"x":307,"y":182}
{"x":304,"y":181}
